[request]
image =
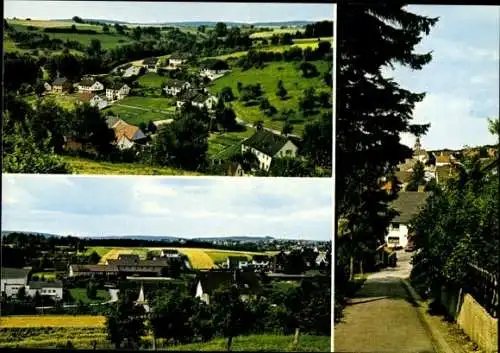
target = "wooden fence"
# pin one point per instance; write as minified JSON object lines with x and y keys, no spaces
{"x":483,"y":286}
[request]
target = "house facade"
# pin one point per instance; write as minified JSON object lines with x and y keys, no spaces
{"x":117,"y":92}
{"x":52,"y":289}
{"x":61,"y":84}
{"x":90,"y":85}
{"x":132,"y":71}
{"x":212,"y":74}
{"x":12,"y":279}
{"x":99,"y":102}
{"x":92,"y":270}
{"x":174,"y":87}
{"x":266,"y":145}
{"x":151,"y":64}
{"x":209,"y":282}
{"x":126,"y":135}
{"x":407,"y":205}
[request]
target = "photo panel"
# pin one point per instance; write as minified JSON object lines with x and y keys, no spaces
{"x":166,"y":263}
{"x":168,"y":88}
{"x":416,"y":179}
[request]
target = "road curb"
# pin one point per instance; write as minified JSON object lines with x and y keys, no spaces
{"x":438,"y":341}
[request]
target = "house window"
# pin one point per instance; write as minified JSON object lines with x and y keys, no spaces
{"x":395,"y":226}
{"x":288,"y":152}
{"x":393,"y":240}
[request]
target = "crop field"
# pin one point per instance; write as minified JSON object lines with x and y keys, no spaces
{"x":220,"y":142}
{"x":51,"y":24}
{"x":268,"y":77}
{"x":278,"y":31}
{"x":262,"y":343}
{"x":108,"y":41}
{"x":87,"y":166}
{"x":198,"y":257}
{"x":28,"y":321}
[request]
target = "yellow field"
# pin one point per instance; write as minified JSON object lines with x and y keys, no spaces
{"x":22,"y":321}
{"x":198,"y":257}
{"x":46,"y":24}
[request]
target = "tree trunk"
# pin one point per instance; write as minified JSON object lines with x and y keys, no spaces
{"x":229,"y":343}
{"x":351,"y":268}
{"x":361,"y":267}
{"x":296,"y":337}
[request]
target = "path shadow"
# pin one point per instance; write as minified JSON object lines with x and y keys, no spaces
{"x":383,"y":288}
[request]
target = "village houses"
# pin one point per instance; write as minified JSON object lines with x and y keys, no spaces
{"x":117,"y":91}
{"x":174,"y":87}
{"x":151,"y":64}
{"x":61,"y":84}
{"x":89,"y":84}
{"x":266,"y":145}
{"x":98,"y":101}
{"x":126,"y":135}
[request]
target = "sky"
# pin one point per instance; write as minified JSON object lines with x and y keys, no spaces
{"x":462,"y":80}
{"x":292,"y":208}
{"x":151,"y":12}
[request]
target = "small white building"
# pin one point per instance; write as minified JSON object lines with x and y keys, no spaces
{"x":170,"y":253}
{"x":90,"y":85}
{"x":266,"y":145}
{"x":117,"y":92}
{"x":407,"y":205}
{"x":52,"y":289}
{"x":198,"y":99}
{"x":99,"y":102}
{"x":151,"y":64}
{"x":177,"y":60}
{"x":174,"y":87}
{"x":47,"y":86}
{"x":212,"y":74}
{"x":126,"y":135}
{"x":12,"y":279}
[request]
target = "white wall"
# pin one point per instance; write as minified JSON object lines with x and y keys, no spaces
{"x":124,"y":143}
{"x":11,"y":286}
{"x":289,"y":146}
{"x":199,"y":293}
{"x":401,"y":233}
{"x":264,"y":159}
{"x":56,"y":293}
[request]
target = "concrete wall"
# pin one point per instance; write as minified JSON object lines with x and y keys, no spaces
{"x":478,"y":324}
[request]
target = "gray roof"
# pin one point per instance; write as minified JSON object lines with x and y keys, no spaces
{"x":13,"y":273}
{"x":60,"y":81}
{"x":408,"y":205}
{"x":111,"y":120}
{"x":45,"y":284}
{"x":213,"y":280}
{"x":150,"y":61}
{"x":266,"y":141}
{"x":175,"y":83}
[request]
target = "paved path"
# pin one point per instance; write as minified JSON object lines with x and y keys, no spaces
{"x":382,"y":317}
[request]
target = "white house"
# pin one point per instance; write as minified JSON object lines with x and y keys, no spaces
{"x":12,"y":279}
{"x":151,"y":64}
{"x":164,"y":122}
{"x":126,"y":135}
{"x":90,"y":85}
{"x":407,"y":205}
{"x":175,"y":87}
{"x":170,"y":253}
{"x":212,"y":74}
{"x":177,"y":60}
{"x":198,"y":99}
{"x":47,"y":86}
{"x":266,"y":145}
{"x":132,"y":71}
{"x":99,"y":102}
{"x":53,"y":289}
{"x":117,"y":92}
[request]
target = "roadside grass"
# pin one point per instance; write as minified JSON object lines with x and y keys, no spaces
{"x":87,"y":166}
{"x":261,"y":343}
{"x":220,"y":142}
{"x":81,"y":294}
{"x":268,"y":77}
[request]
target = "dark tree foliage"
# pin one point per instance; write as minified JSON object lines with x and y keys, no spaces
{"x":123,"y":325}
{"x":19,"y":69}
{"x":317,"y":141}
{"x":372,"y":111}
{"x":90,"y":127}
{"x":319,"y":29}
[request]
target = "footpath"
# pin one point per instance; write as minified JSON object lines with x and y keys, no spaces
{"x":385,"y":316}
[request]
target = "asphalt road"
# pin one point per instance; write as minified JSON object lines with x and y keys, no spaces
{"x":382,"y":316}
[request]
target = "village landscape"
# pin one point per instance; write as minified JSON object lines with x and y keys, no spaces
{"x":193,"y":98}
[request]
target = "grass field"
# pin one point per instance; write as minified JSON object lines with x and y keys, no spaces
{"x":218,"y":143}
{"x":152,"y":80}
{"x":153,"y":103}
{"x":135,"y":116}
{"x":51,"y":24}
{"x":25,"y":321}
{"x":81,"y":294}
{"x":267,"y":343}
{"x":87,"y":166}
{"x":268,"y":77}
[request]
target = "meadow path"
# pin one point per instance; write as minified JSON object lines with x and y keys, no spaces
{"x":382,"y":317}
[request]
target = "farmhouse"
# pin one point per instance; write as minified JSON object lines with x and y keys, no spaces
{"x":12,"y":279}
{"x":117,"y":91}
{"x":177,"y":60}
{"x":213,"y":69}
{"x":170,"y":253}
{"x":89,"y":85}
{"x":53,"y":289}
{"x":131,"y":264}
{"x":174,"y":87}
{"x":61,"y":84}
{"x":197,"y":99}
{"x":236,"y":262}
{"x":151,"y":64}
{"x":266,"y":145}
{"x":209,"y":282}
{"x":92,"y":270}
{"x":126,"y":135}
{"x":407,"y":205}
{"x":99,"y":102}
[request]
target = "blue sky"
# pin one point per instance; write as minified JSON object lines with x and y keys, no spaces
{"x":150,"y":12}
{"x":298,"y":208}
{"x":462,"y":81}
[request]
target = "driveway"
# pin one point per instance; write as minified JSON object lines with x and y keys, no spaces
{"x":382,"y":317}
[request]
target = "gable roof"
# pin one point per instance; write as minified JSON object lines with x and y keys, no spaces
{"x":266,"y":142}
{"x":213,"y":280}
{"x":94,"y":268}
{"x":116,"y":86}
{"x":87,"y":82}
{"x":408,"y":204}
{"x":60,"y":81}
{"x":13,"y":273}
{"x":122,"y":129}
{"x":45,"y":284}
{"x":176,"y":83}
{"x":111,"y":121}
